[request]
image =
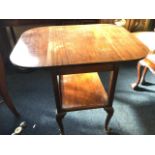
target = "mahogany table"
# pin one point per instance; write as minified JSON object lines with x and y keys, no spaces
{"x":77,"y":49}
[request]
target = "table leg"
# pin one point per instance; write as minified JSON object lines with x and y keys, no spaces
{"x":142,"y":81}
{"x":141,"y":73}
{"x":57,"y":94}
{"x":112,"y":84}
{"x":110,"y":112}
{"x":13,"y":35}
{"x":109,"y":109}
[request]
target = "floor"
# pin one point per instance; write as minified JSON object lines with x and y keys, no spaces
{"x":33,"y":96}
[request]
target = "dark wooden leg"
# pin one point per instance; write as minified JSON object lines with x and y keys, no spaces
{"x":112,"y":85}
{"x":4,"y":91}
{"x":13,"y":35}
{"x":139,"y":75}
{"x":8,"y":102}
{"x":142,"y":81}
{"x":57,"y":94}
{"x":110,"y":112}
{"x":59,"y":117}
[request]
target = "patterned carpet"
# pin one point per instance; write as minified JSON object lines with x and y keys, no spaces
{"x":33,"y":96}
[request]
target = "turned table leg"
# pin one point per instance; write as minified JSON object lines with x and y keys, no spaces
{"x":141,"y":73}
{"x":142,"y":81}
{"x":110,"y":112}
{"x":59,"y":117}
{"x":111,"y":93}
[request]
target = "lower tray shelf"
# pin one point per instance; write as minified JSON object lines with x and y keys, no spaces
{"x":82,"y":91}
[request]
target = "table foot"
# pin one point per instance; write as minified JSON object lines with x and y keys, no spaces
{"x":110,"y":112}
{"x":59,"y":118}
{"x":134,"y":86}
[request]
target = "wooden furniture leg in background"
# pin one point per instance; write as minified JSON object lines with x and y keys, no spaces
{"x":147,"y":38}
{"x":3,"y":89}
{"x":142,"y":81}
{"x":141,"y":74}
{"x":13,"y":35}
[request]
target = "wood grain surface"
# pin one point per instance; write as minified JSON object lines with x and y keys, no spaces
{"x":75,"y":45}
{"x":83,"y":91}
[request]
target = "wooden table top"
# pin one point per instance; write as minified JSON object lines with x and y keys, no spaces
{"x":56,"y":46}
